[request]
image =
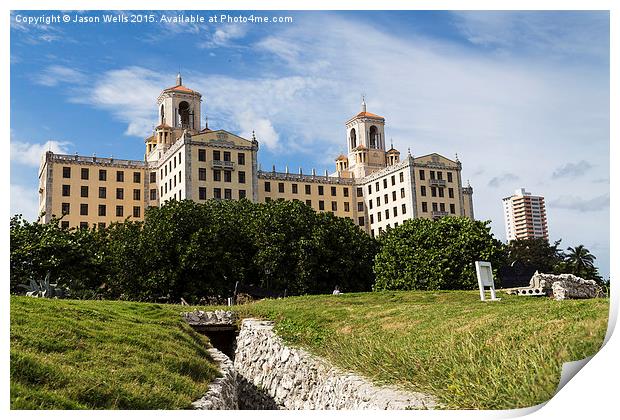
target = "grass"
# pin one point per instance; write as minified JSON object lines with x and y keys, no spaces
{"x":467,"y":353}
{"x":104,"y":355}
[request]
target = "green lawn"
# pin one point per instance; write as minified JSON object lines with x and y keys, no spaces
{"x":100,"y":354}
{"x":469,"y":354}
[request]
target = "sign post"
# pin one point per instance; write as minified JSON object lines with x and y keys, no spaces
{"x":485,"y":279}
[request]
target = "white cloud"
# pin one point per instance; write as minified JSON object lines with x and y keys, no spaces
{"x":24,"y":201}
{"x":571,"y":202}
{"x":55,"y":74}
{"x":503,"y":179}
{"x":572,"y":169}
{"x":30,"y":154}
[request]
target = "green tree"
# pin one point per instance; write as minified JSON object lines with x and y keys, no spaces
{"x":425,"y":254}
{"x":535,"y":252}
{"x":580,"y":262}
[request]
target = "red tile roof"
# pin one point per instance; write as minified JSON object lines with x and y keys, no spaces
{"x":180,"y":88}
{"x":370,"y":115}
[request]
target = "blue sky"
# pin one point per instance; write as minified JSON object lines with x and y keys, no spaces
{"x":522,"y":97}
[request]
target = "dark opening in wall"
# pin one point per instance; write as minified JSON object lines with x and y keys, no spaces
{"x":222,"y":337}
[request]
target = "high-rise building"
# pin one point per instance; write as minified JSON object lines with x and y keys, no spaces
{"x":371,"y":186}
{"x":525,"y":216}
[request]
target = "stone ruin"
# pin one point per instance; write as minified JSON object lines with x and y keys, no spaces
{"x":560,"y":287}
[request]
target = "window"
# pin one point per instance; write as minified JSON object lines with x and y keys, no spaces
{"x":161,"y":174}
{"x":372,"y":219}
{"x":423,"y":191}
{"x":267,"y":199}
{"x":360,"y":221}
{"x":101,"y":209}
{"x":136,"y":177}
{"x":422,"y":174}
{"x":321,"y":205}
{"x":83,"y":225}
{"x":404,"y":209}
{"x":102,"y":192}
{"x":241,"y":158}
{"x":101,"y":225}
{"x":451,"y":192}
{"x":372,"y":233}
{"x":120,"y":176}
{"x":449,"y":176}
{"x":424,"y":207}
{"x":84,"y":191}
{"x":387,"y":214}
{"x":153,"y":177}
{"x":64,"y":224}
{"x":378,"y":216}
{"x":334,"y":206}
{"x":395,"y":211}
{"x":136,"y":211}
{"x":434,"y":206}
{"x":217,"y":175}
{"x":175,"y":161}
{"x":83,"y":209}
{"x":370,"y":189}
{"x":452,"y":209}
{"x":202,"y":193}
{"x":402,"y":193}
{"x":384,"y":183}
{"x":385,"y":198}
{"x":309,"y":203}
{"x":216,"y":155}
{"x":153,"y":194}
{"x":175,"y":180}
{"x":136,"y":194}
{"x":241,"y":194}
{"x":166,"y":188}
{"x":434,"y":191}
{"x":267,"y":187}
{"x":281,"y":187}
{"x":393,"y":179}
{"x":227,"y":193}
{"x":360,"y":192}
{"x":308,"y":189}
{"x":320,"y":190}
{"x":345,"y":191}
{"x":119,"y":211}
{"x":432,"y":174}
{"x":346,"y":207}
{"x":66,"y":172}
{"x":393,"y":195}
{"x":103,"y":174}
{"x":395,"y":224}
{"x":65,"y":208}
{"x":85,"y":173}
{"x":226,"y":156}
{"x":378,"y":201}
{"x":241,"y":177}
{"x":370,"y":204}
{"x":120,"y":194}
{"x":202,"y":174}
{"x":442,"y":206}
{"x":202,"y":155}
{"x":360,"y":206}
{"x":294,"y":188}
{"x":439,"y":175}
{"x":402,"y":177}
{"x":333,"y":191}
{"x":166,"y":170}
{"x":441,"y":193}
{"x":217,"y":193}
{"x":66,"y":190}
{"x":377,"y":186}
{"x":227,"y":176}
{"x":179,"y":163}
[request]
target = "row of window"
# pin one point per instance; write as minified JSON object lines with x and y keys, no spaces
{"x":386,"y":198}
{"x":217,"y":193}
{"x":385,"y":183}
{"x":438,"y":207}
{"x":103,"y":192}
{"x":168,"y":167}
{"x":435,"y":175}
{"x":437,"y":191}
{"x":387,"y":213}
{"x":307,"y":189}
{"x":217,"y":175}
{"x":217,"y":155}
{"x":83,"y":225}
{"x":103,"y":174}
{"x":101,"y":210}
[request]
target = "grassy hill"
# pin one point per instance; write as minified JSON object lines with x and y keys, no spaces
{"x":98,"y":354}
{"x":469,"y":354}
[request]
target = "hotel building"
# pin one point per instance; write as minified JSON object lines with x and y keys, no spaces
{"x":372,"y":186}
{"x":525,"y":216}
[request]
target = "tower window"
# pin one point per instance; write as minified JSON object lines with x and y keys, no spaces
{"x":103,"y":174}
{"x":374,"y":137}
{"x":353,"y":138}
{"x":184,"y":114}
{"x":66,"y":172}
{"x":84,"y":173}
{"x":120,"y":176}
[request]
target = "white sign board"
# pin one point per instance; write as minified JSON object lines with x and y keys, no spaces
{"x":485,"y":279}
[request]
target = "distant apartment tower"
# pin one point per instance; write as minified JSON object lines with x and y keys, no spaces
{"x":525,"y":216}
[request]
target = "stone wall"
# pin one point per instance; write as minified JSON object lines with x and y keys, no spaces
{"x":567,"y":286}
{"x":274,"y":376}
{"x":223,"y":392}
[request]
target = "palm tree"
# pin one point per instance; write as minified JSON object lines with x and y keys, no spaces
{"x":580,"y":260}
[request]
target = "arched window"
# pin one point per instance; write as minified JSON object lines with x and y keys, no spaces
{"x":374,"y":137}
{"x":162,"y":118}
{"x":184,"y":114}
{"x":353,"y":139}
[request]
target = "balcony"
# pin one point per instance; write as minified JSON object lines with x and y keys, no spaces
{"x":223,"y":164}
{"x":437,"y":182}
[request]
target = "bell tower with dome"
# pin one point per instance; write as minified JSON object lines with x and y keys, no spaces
{"x":365,"y":142}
